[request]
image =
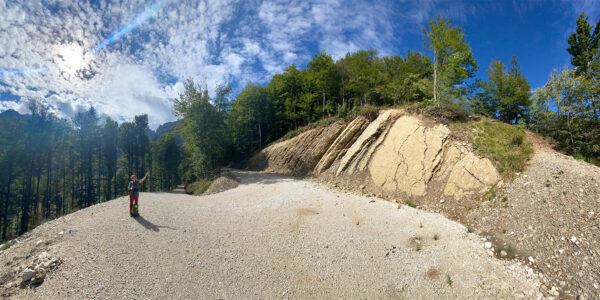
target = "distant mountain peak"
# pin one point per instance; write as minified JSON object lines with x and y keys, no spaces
{"x":10,"y":113}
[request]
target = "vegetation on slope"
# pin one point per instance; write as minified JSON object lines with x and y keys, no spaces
{"x":198,"y":187}
{"x":505,"y":144}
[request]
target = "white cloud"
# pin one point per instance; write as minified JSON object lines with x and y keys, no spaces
{"x":211,"y":41}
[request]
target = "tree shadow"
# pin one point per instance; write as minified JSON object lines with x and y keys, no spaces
{"x":251,"y":177}
{"x":178,"y":190}
{"x":149,"y":225}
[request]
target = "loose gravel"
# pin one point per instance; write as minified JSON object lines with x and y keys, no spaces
{"x":271,"y":237}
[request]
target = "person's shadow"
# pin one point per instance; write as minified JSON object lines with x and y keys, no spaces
{"x":149,"y":225}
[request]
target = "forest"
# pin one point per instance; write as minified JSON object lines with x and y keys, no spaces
{"x":51,"y":166}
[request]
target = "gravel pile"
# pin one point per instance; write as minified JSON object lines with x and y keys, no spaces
{"x":221,"y":184}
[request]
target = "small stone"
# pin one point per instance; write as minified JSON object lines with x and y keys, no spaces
{"x":490,"y":253}
{"x":443,"y":200}
{"x":503,"y":253}
{"x":61,"y":233}
{"x":362,"y":187}
{"x":573,"y":239}
{"x":38,"y":243}
{"x":531,"y":260}
{"x":27,"y":274}
{"x":561,"y":251}
{"x":38,"y":278}
{"x":44,"y":255}
{"x":488,"y":245}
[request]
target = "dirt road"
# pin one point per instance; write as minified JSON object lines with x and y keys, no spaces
{"x":271,"y":237}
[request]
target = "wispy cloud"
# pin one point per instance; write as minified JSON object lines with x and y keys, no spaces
{"x":131,"y":57}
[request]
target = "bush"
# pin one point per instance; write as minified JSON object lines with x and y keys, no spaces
{"x":198,"y":187}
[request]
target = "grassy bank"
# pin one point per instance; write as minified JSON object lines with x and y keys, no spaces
{"x":505,"y":144}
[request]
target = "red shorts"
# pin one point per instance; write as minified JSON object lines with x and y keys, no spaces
{"x":133,"y":198}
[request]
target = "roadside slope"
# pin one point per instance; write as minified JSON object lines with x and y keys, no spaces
{"x":270,"y":237}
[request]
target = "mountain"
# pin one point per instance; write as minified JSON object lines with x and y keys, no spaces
{"x":10,"y":114}
{"x":162,"y":129}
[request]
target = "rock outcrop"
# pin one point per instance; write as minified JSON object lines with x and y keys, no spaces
{"x":397,"y":153}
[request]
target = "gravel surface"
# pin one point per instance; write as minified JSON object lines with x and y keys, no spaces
{"x":271,"y":237}
{"x":550,"y":213}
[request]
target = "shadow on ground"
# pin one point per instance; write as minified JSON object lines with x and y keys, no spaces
{"x":178,"y":190}
{"x":249,"y":177}
{"x":149,"y":225}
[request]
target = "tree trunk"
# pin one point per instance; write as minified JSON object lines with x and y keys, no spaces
{"x":435,"y":83}
{"x":259,"y":137}
{"x":323,"y":105}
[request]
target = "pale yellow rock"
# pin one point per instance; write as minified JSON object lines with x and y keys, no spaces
{"x":341,"y":143}
{"x":471,"y":175}
{"x":405,"y":161}
{"x":365,"y":138}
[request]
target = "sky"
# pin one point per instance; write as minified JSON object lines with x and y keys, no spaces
{"x":131,"y":57}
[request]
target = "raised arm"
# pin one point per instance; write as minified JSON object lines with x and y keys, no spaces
{"x":142,"y":180}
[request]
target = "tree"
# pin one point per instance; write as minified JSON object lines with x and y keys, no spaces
{"x":506,"y":95}
{"x":453,"y":60}
{"x":563,"y":111}
{"x":405,"y":80}
{"x":323,"y":76}
{"x":200,"y":128}
{"x":248,"y":119}
{"x":361,"y":72}
{"x":166,"y":157}
{"x":110,"y":135}
{"x":583,"y":45}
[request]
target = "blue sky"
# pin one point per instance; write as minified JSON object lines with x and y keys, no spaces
{"x":131,"y":57}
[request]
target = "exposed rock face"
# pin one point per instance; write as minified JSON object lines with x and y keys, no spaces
{"x":395,"y":153}
{"x":298,"y":155}
{"x":341,"y":143}
{"x":408,"y":157}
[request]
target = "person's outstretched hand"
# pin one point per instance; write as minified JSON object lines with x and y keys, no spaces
{"x":147,"y":173}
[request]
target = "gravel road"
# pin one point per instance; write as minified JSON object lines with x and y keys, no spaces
{"x":271,"y":237}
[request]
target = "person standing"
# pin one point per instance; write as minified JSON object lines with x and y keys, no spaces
{"x":134,"y":191}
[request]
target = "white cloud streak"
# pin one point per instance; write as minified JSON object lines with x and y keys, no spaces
{"x":210,"y":41}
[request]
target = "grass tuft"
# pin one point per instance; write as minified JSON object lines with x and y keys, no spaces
{"x":409,"y":203}
{"x":7,"y":245}
{"x":436,"y":237}
{"x":505,"y":144}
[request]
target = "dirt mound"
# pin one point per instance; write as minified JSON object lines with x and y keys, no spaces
{"x":221,"y":184}
{"x":396,"y":154}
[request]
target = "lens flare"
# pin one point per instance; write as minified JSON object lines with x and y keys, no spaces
{"x":129,"y":27}
{"x":71,"y":61}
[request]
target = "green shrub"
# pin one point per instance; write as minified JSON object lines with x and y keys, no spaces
{"x":198,"y":187}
